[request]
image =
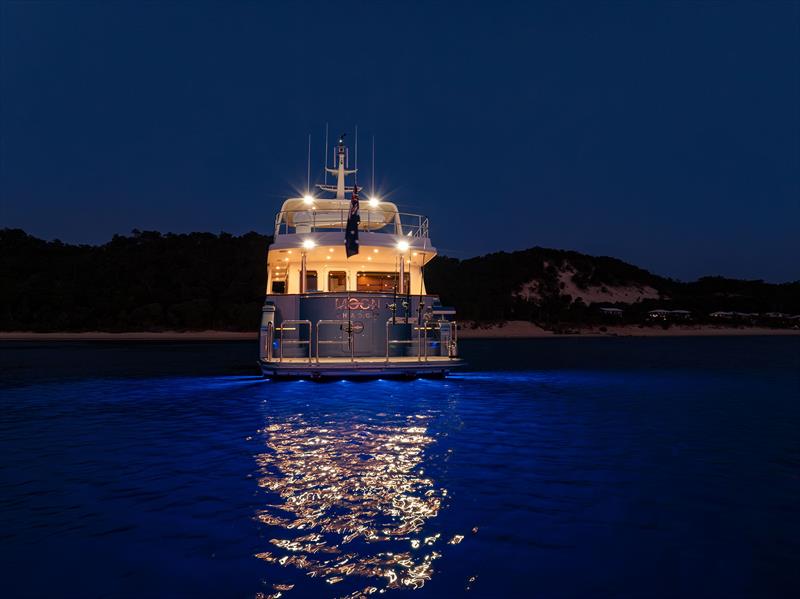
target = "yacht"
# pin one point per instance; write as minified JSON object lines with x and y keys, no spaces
{"x":346,"y":293}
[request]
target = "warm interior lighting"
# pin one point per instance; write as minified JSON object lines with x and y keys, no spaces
{"x":309,"y":244}
{"x":369,"y":257}
{"x":402,"y":245}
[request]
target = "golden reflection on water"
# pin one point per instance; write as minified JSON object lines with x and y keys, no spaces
{"x":351,"y":503}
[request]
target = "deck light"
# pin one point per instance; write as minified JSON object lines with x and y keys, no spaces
{"x":330,"y":250}
{"x":375,"y":250}
{"x":402,"y":245}
{"x":373,"y":202}
{"x":308,"y":199}
{"x":309,"y":244}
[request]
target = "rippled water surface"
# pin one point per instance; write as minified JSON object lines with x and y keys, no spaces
{"x":549,"y":468}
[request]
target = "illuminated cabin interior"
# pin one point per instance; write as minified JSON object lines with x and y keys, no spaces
{"x":309,"y":237}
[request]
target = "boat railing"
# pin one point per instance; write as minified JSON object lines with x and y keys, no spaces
{"x":350,"y":338}
{"x":330,"y":220}
{"x":392,"y":342}
{"x":268,"y":340}
{"x":286,"y":326}
{"x":420,"y":340}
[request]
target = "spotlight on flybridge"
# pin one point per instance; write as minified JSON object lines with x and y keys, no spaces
{"x":402,"y":245}
{"x":308,"y":199}
{"x":309,"y":244}
{"x":373,"y":202}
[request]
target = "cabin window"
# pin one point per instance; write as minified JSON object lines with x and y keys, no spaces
{"x":337,"y":281}
{"x":311,"y":280}
{"x":379,"y":281}
{"x":278,"y":286}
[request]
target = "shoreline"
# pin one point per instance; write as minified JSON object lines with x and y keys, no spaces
{"x":509,"y":330}
{"x":528,"y":330}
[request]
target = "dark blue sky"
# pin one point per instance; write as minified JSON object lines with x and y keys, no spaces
{"x":666,"y":134}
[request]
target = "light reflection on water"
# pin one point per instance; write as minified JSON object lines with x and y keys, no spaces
{"x":351,"y":501}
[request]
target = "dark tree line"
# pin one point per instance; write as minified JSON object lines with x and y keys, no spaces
{"x":147,"y":281}
{"x":154,"y":281}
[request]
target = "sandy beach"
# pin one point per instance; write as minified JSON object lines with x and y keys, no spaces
{"x":511,"y":329}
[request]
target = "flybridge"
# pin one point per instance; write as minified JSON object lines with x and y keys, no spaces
{"x":321,"y":216}
{"x":313,"y":214}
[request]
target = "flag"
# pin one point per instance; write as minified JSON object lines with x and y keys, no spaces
{"x":353,"y":220}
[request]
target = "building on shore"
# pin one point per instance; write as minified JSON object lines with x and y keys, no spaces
{"x":669,"y":315}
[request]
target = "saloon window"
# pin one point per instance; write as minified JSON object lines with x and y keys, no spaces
{"x":311,"y":280}
{"x":337,"y":281}
{"x":378,"y":281}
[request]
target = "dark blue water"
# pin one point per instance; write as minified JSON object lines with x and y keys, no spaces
{"x":552,"y":468}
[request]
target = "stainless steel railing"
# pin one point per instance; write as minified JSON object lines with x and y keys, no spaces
{"x":420,"y":338}
{"x":350,"y":338}
{"x":313,"y":220}
{"x":390,"y":341}
{"x":282,"y":341}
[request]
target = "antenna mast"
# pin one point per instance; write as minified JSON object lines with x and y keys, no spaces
{"x":373,"y":167}
{"x":308,"y":169}
{"x":326,"y":153}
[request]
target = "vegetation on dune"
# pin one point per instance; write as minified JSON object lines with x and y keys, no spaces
{"x":153,"y":281}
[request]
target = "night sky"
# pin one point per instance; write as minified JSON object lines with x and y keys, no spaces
{"x":665,"y":134}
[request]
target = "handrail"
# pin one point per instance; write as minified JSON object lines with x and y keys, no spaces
{"x":322,"y":219}
{"x":395,"y":341}
{"x":421,"y":340}
{"x":269,"y":337}
{"x":295,"y":341}
{"x":350,"y":337}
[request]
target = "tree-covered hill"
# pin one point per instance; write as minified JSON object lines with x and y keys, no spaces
{"x":153,"y":281}
{"x":147,"y":281}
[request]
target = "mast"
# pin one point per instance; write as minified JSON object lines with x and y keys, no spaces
{"x":340,"y":171}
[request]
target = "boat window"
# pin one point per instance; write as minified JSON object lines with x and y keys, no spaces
{"x":311,"y":280}
{"x":378,"y":281}
{"x":278,"y":286}
{"x":337,"y":281}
